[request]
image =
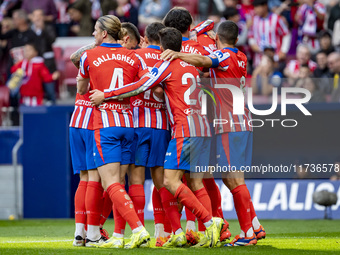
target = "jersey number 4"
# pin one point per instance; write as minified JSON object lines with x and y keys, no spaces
{"x":117,"y":80}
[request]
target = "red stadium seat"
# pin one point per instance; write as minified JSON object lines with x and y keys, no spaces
{"x":4,"y":96}
{"x":4,"y":100}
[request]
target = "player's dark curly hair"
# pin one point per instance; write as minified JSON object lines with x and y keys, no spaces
{"x":228,"y":32}
{"x":179,"y":18}
{"x":151,"y":31}
{"x":170,"y":38}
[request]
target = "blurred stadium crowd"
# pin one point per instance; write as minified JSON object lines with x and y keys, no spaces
{"x":292,"y":43}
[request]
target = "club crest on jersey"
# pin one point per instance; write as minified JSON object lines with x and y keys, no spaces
{"x":137,"y":102}
{"x":154,"y":71}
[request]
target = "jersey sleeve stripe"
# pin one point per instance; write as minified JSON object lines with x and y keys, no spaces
{"x":142,"y":62}
{"x":82,"y":61}
{"x":145,"y":86}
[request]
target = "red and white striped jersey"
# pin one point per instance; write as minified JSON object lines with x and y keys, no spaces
{"x":294,"y":66}
{"x":149,"y":110}
{"x":310,"y":24}
{"x":82,"y":116}
{"x":231,"y":70}
{"x":182,"y":96}
{"x":268,"y":33}
{"x":110,"y":66}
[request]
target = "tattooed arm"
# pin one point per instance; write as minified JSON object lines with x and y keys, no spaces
{"x":75,"y":57}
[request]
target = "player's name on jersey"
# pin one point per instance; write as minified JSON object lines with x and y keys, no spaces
{"x":82,"y":102}
{"x":108,"y":57}
{"x":190,"y":49}
{"x":152,"y":56}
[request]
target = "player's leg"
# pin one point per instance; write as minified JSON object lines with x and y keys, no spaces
{"x":191,"y":234}
{"x":196,"y":185}
{"x":80,"y":210}
{"x":78,"y":155}
{"x":172,"y":181}
{"x":136,"y":189}
{"x":163,"y":226}
{"x":178,"y":157}
{"x":99,"y":201}
{"x":120,"y":222}
{"x":216,"y":200}
{"x":110,"y":155}
{"x":159,"y":142}
{"x":235,"y":151}
{"x":94,"y":204}
{"x":121,"y":200}
{"x":107,"y":209}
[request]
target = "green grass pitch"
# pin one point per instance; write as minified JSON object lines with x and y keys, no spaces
{"x":283,"y":236}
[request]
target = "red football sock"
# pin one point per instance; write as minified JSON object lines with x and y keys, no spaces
{"x":204,"y":198}
{"x":79,"y":203}
{"x":120,"y":222}
{"x":252,"y":210}
{"x":215,"y":197}
{"x":107,"y":208}
{"x":167,"y":225}
{"x":241,"y":202}
{"x":124,"y":205}
{"x":171,"y":209}
{"x":188,"y":199}
{"x":136,"y":192}
{"x":189,"y":214}
{"x":94,"y":202}
{"x":158,"y":212}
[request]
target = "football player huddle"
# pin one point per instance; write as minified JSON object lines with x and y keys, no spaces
{"x":143,"y":108}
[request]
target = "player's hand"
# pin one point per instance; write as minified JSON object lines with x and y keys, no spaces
{"x":193,"y":35}
{"x":142,"y":43}
{"x":97,"y":97}
{"x":212,"y":34}
{"x":169,"y":55}
{"x":158,"y":92}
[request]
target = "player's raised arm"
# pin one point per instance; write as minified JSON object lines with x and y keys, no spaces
{"x":75,"y":56}
{"x":212,"y":60}
{"x":83,"y":77}
{"x":159,"y":73}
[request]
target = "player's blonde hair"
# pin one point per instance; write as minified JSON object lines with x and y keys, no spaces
{"x":111,"y":24}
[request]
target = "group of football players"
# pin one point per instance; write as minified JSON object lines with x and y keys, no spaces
{"x":142,"y":108}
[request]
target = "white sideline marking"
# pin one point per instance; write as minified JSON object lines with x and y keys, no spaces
{"x":45,"y":241}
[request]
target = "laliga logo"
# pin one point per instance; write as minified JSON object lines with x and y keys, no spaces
{"x":137,"y":102}
{"x":238,"y":105}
